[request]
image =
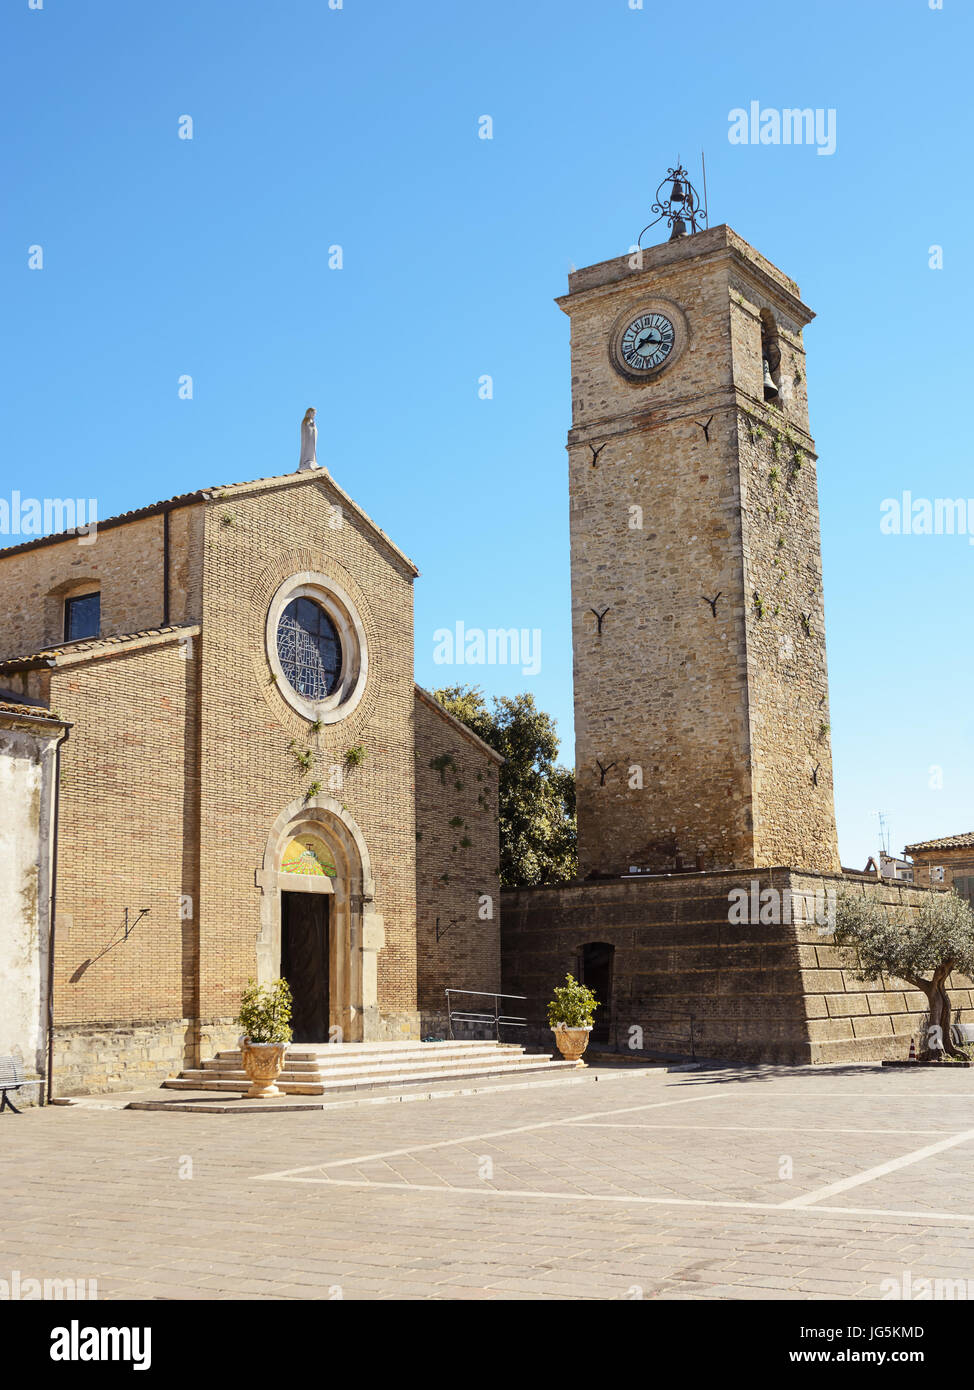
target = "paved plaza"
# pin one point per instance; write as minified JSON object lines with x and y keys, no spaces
{"x":614,"y":1183}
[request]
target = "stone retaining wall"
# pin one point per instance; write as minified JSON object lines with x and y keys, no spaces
{"x":686,"y":978}
{"x":93,"y":1060}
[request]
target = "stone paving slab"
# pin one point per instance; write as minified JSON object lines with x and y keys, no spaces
{"x":639,"y":1184}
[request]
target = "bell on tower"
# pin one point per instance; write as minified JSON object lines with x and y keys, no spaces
{"x":770,"y":355}
{"x":680,"y":207}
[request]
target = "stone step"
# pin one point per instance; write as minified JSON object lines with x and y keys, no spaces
{"x":334,"y":1059}
{"x":412,"y":1067}
{"x":308,"y":1052}
{"x":203,"y":1081}
{"x":233,"y":1061}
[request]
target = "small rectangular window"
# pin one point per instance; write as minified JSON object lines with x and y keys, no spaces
{"x":82,"y":617}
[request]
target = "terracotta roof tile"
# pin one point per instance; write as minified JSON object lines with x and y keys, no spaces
{"x":48,"y":656}
{"x":184,"y":499}
{"x":948,"y":842}
{"x":25,"y":708}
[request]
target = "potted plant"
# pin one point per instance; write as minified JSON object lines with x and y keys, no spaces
{"x":570,"y":1015}
{"x":265,"y":1017}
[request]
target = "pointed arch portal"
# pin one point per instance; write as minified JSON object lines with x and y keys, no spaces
{"x":315,"y":847}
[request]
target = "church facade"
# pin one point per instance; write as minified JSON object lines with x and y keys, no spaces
{"x":251,"y":785}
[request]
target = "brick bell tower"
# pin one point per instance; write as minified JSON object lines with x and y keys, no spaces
{"x":701,"y":689}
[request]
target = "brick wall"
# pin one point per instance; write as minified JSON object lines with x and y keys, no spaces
{"x":129,"y":784}
{"x":125,"y":563}
{"x":457,"y":855}
{"x":255,"y":538}
{"x":184,"y":754}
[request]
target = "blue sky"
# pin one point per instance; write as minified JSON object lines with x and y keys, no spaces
{"x":358,"y":127}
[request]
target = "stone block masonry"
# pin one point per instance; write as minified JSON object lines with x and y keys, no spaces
{"x":682,"y":971}
{"x":701,"y":699}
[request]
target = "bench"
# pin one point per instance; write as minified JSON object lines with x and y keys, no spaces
{"x":11,"y":1079}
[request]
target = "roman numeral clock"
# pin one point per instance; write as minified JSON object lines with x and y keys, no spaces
{"x":647,"y":342}
{"x":644,"y":343}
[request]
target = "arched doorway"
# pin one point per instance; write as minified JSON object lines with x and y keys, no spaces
{"x":318,"y":924}
{"x":596,"y":973}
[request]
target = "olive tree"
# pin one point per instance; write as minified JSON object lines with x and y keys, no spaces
{"x":923,"y":948}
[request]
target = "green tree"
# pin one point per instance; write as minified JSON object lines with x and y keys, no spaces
{"x":937,"y":939}
{"x":536,"y":795}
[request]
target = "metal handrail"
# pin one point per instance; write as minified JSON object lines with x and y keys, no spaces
{"x":474,"y":1016}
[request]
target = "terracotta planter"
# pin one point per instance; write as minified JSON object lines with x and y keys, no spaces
{"x":572,"y":1042}
{"x":263,"y":1063}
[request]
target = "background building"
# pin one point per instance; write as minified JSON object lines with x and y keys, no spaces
{"x":947,"y":863}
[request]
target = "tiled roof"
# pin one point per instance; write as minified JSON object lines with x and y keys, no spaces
{"x":948,"y":842}
{"x":184,"y":499}
{"x":23,"y":707}
{"x":181,"y":500}
{"x":48,"y":656}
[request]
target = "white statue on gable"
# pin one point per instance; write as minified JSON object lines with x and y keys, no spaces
{"x":309,"y":441}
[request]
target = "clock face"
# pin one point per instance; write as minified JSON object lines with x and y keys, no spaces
{"x":647,"y":342}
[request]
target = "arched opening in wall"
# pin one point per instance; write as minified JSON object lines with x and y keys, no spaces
{"x":770,"y":356}
{"x":307,"y":926}
{"x":596,"y":973}
{"x":317,"y":924}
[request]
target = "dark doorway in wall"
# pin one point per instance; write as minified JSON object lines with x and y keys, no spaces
{"x":597,"y":975}
{"x":304,"y":962}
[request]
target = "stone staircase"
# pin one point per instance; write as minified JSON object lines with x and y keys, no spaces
{"x":318,"y":1069}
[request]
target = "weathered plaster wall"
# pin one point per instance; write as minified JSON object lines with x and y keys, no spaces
{"x":26,"y":796}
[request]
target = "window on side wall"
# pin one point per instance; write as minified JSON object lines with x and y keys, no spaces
{"x":82,"y":617}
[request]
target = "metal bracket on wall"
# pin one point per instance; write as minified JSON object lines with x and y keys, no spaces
{"x":705,"y":428}
{"x":130,"y":927}
{"x":440,"y":934}
{"x":598,"y":617}
{"x":596,"y":452}
{"x":712,"y":601}
{"x":603,"y":771}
